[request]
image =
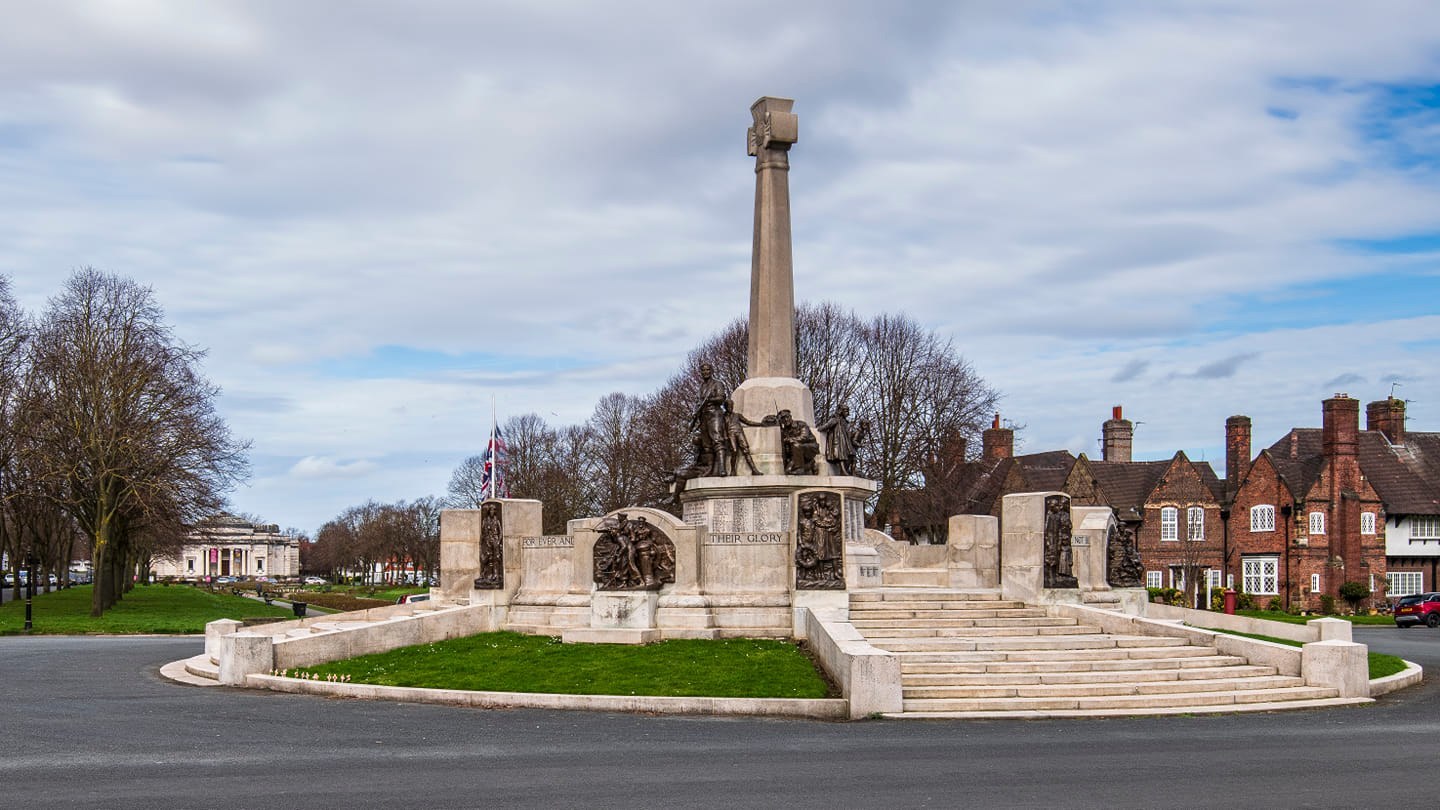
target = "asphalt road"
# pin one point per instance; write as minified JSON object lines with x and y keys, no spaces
{"x":89,"y":723}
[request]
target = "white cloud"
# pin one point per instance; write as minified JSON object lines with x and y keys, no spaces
{"x":325,"y":468}
{"x":1087,"y":198}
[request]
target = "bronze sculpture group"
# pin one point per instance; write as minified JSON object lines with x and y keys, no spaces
{"x":631,"y":555}
{"x":819,"y":543}
{"x":719,"y":442}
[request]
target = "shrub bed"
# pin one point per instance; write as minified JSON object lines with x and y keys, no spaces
{"x":338,"y":601}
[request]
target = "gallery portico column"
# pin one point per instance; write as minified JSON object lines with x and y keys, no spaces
{"x":770,"y":384}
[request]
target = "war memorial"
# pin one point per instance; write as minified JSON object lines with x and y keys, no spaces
{"x":1038,"y":613}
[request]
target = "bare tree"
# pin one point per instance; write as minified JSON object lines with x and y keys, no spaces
{"x":917,"y":394}
{"x":13,"y":330}
{"x":614,"y":464}
{"x":119,"y":412}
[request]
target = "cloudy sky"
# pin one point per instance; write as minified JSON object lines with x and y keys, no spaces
{"x":378,"y":216}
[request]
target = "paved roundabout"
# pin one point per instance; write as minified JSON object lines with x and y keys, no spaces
{"x":92,"y":723}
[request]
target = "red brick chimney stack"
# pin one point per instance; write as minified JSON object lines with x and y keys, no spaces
{"x":1340,"y":434}
{"x":997,"y":442}
{"x":1118,"y":437}
{"x":1237,"y":450}
{"x":1388,"y":417}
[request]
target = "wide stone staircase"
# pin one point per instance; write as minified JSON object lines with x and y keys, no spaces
{"x":971,"y":654}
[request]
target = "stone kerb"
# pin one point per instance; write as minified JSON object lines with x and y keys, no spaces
{"x":973,"y":551}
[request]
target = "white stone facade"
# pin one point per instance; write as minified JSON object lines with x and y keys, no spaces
{"x":232,"y":547}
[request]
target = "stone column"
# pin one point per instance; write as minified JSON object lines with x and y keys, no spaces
{"x":772,"y":285}
{"x":770,"y":385}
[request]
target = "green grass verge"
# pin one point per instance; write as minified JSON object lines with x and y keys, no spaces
{"x":511,"y":662}
{"x":146,"y":609}
{"x":1380,"y":663}
{"x":1282,"y":616}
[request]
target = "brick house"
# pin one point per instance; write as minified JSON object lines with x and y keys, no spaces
{"x":1303,"y":517}
{"x":1172,"y":506}
{"x":1404,"y":468}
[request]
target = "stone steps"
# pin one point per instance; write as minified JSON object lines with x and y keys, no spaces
{"x":915,"y":577}
{"x":890,"y":631}
{"x":970,"y":614}
{"x":1125,"y":687}
{"x":1128,"y":701}
{"x":922,"y":595}
{"x":997,"y":664}
{"x":969,"y":654}
{"x":1132,"y":711}
{"x":1130,"y":676}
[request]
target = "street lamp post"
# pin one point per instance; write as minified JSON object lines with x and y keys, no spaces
{"x":29,"y":590}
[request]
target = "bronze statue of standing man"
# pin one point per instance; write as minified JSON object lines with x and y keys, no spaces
{"x":710,"y":419}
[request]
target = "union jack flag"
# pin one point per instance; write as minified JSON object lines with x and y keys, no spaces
{"x":492,"y":480}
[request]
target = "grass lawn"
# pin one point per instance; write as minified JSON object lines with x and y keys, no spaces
{"x":511,"y":662}
{"x":1282,"y":616}
{"x":1380,"y":663}
{"x":146,"y":609}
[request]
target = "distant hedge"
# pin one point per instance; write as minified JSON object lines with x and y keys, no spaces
{"x":338,"y":601}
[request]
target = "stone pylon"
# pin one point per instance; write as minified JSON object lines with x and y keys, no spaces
{"x":771,"y":384}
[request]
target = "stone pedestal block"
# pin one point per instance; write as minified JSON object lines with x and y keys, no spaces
{"x":1091,"y":531}
{"x":242,"y":654}
{"x":973,"y":551}
{"x":1340,"y":665}
{"x":1022,"y":545}
{"x":630,"y":610}
{"x":216,"y":630}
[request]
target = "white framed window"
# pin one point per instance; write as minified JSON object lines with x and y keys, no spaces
{"x":1367,"y":522}
{"x":1169,"y":523}
{"x":1317,"y":522}
{"x":1154,"y":579}
{"x":1314,"y":583}
{"x":1213,"y":577}
{"x":1262,"y":518}
{"x":1195,"y":523}
{"x":260,"y":564}
{"x":1261,"y":575}
{"x":190,"y":564}
{"x":1230,"y":580}
{"x":1404,"y":583}
{"x":1372,"y":583}
{"x":1425,"y":527}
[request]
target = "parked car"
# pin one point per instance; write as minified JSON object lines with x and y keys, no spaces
{"x":225,"y":580}
{"x":316,"y":581}
{"x":413,"y":597}
{"x":1418,"y":608}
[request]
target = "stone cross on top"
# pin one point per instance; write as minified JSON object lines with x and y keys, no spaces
{"x":771,"y":385}
{"x":771,"y":352}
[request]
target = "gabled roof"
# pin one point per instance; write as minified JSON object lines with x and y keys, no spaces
{"x":1039,"y":472}
{"x":1405,"y":476}
{"x":1128,"y":484}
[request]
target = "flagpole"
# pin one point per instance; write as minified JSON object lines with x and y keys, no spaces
{"x":494,"y":457}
